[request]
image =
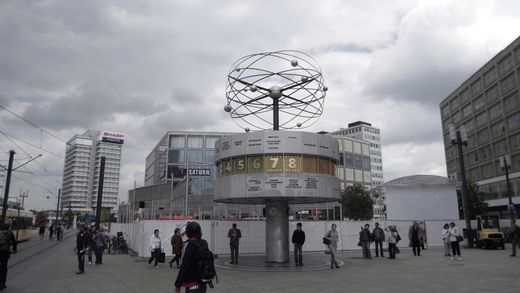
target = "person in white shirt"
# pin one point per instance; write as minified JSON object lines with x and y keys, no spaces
{"x":155,"y":248}
{"x":455,"y":249}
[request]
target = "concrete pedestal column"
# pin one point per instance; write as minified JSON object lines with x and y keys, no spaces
{"x":277,"y":232}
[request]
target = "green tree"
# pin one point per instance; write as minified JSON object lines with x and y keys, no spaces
{"x":357,"y":203}
{"x":479,"y":206}
{"x":41,"y":217}
{"x":68,"y":217}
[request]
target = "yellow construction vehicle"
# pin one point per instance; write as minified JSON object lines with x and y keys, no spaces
{"x":488,"y":232}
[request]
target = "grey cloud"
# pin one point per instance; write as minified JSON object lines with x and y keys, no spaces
{"x":96,"y":100}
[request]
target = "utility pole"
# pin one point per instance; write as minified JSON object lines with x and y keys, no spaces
{"x":505,"y":164}
{"x":459,"y":138}
{"x":7,"y":185}
{"x":23,"y":195}
{"x":58,"y":206}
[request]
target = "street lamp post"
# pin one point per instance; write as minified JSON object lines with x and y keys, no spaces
{"x":505,"y":164}
{"x":459,"y":138}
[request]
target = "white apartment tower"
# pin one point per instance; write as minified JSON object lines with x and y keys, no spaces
{"x":81,"y":171}
{"x":365,"y":131}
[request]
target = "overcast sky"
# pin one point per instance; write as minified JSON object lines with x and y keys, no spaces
{"x":145,"y":67}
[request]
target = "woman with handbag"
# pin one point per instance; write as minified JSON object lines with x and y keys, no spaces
{"x":332,"y":237}
{"x":454,"y":236}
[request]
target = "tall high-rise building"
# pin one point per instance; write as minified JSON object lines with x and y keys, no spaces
{"x":488,"y":105}
{"x":82,"y":167}
{"x":3,"y":175}
{"x":365,"y":131}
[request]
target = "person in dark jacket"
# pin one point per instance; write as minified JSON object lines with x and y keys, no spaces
{"x":379,"y":237}
{"x":81,"y":247}
{"x":6,"y":241}
{"x":414,"y":234}
{"x":176,"y":247}
{"x":188,"y":276}
{"x":364,"y":240}
{"x":298,"y":238}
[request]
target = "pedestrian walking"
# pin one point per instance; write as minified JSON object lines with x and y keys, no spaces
{"x":188,"y":277}
{"x":7,"y":241}
{"x":413,"y":235}
{"x":446,"y":239}
{"x":177,"y":245}
{"x":332,"y":237}
{"x":81,"y":247}
{"x":59,"y":232}
{"x":51,"y":232}
{"x":392,"y":241}
{"x":155,"y":248}
{"x":298,"y":238}
{"x":515,"y":236}
{"x":379,"y":237}
{"x":41,"y":232}
{"x":422,"y":236}
{"x":455,"y":236}
{"x":234,"y":235}
{"x":101,"y":243}
{"x":90,"y":234}
{"x":364,"y":241}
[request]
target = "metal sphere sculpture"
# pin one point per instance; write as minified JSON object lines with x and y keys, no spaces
{"x":275,"y":90}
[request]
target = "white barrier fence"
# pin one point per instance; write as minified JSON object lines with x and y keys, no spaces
{"x":253,"y":234}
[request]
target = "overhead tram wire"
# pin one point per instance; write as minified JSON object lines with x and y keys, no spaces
{"x":34,"y":125}
{"x":45,"y":170}
{"x":28,"y":143}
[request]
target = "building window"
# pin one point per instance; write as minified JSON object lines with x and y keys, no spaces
{"x":497,"y":129}
{"x":476,"y":87}
{"x":495,"y":111}
{"x":490,"y":76}
{"x":195,"y":157}
{"x":445,"y":111}
{"x":505,"y":64}
{"x":479,"y":103}
{"x":500,"y":147}
{"x":515,"y":142}
{"x":455,"y":104}
{"x":195,"y":142}
{"x":177,"y":141}
{"x":481,"y":119}
{"x":508,"y":83}
{"x":456,"y":118}
{"x":466,"y":111}
{"x":511,"y":102}
{"x":492,"y":94}
{"x":485,"y":153}
{"x":175,"y":156}
{"x":209,"y":156}
{"x":513,"y":122}
{"x":349,"y":160}
{"x":210,"y":141}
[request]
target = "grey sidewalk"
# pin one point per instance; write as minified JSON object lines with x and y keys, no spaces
{"x":479,"y":271}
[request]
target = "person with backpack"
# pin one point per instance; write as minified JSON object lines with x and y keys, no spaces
{"x":298,"y":238}
{"x":197,"y":268}
{"x":177,"y":245}
{"x":234,"y":235}
{"x":515,"y":236}
{"x":7,"y":240}
{"x":101,"y":243}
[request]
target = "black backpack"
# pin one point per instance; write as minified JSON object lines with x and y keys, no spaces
{"x":4,"y":240}
{"x":204,"y":263}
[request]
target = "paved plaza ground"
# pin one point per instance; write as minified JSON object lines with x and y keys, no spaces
{"x":49,"y":266}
